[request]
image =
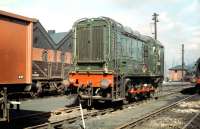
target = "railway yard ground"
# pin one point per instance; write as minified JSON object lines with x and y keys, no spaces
{"x":54,"y":112}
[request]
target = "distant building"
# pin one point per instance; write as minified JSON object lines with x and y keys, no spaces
{"x":175,"y":73}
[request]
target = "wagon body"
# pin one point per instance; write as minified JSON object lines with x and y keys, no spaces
{"x":15,"y":49}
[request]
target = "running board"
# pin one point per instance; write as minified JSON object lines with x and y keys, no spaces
{"x":100,"y":98}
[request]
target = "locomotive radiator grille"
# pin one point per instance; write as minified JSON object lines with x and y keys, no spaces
{"x":90,"y":44}
{"x":97,"y":42}
{"x":83,"y":44}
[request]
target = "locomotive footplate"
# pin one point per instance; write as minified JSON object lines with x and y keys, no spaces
{"x":94,"y":97}
{"x":85,"y":97}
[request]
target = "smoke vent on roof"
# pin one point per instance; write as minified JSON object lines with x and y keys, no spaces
{"x":51,"y":31}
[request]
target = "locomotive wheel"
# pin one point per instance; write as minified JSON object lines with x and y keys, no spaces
{"x":149,"y":94}
{"x":127,"y":86}
{"x":152,"y":93}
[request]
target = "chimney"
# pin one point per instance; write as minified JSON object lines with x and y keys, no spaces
{"x":51,"y":31}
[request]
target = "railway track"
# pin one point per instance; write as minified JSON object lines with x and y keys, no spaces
{"x":191,"y":124}
{"x":169,"y":88}
{"x":39,"y":118}
{"x":58,"y":121}
{"x":66,"y":110}
{"x":147,"y":117}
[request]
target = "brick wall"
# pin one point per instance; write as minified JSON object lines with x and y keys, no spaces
{"x":176,"y":75}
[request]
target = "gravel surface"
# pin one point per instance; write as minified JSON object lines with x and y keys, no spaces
{"x":117,"y":118}
{"x":195,"y":124}
{"x":42,"y":105}
{"x":175,"y":83}
{"x":174,"y":118}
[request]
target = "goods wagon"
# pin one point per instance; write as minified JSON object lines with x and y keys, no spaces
{"x":30,"y":60}
{"x":112,"y":62}
{"x":15,"y":54}
{"x":49,"y":60}
{"x":65,"y":46}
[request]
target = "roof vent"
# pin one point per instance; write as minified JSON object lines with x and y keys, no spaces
{"x":51,"y":31}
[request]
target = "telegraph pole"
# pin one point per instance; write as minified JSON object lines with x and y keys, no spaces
{"x":182,"y":61}
{"x":155,"y":19}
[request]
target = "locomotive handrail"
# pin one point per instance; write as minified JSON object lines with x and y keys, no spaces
{"x":79,"y":20}
{"x":94,"y":61}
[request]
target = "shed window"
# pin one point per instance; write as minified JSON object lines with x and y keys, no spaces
{"x":62,"y":57}
{"x":45,"y":55}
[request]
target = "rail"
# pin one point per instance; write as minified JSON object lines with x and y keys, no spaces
{"x":88,"y":115}
{"x":191,"y":120}
{"x":132,"y":124}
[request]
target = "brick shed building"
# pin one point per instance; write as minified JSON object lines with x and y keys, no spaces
{"x":175,"y":73}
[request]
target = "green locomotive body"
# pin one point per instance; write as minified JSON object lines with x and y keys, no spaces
{"x":104,"y":48}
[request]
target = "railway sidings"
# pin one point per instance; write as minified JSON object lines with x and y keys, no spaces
{"x":104,"y":75}
{"x":70,"y":116}
{"x":167,"y":117}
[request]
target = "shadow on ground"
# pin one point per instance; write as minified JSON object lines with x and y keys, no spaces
{"x":189,"y":91}
{"x":18,"y":122}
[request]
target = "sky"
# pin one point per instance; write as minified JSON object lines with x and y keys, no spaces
{"x":179,"y":20}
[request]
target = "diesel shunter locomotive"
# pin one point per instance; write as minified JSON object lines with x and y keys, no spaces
{"x":112,"y":62}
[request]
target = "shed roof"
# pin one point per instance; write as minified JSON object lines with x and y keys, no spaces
{"x":57,"y":37}
{"x":16,"y":16}
{"x":45,"y":33}
{"x":178,"y":67}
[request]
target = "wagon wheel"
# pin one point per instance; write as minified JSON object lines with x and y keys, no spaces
{"x":38,"y":89}
{"x":33,"y":90}
{"x":33,"y":94}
